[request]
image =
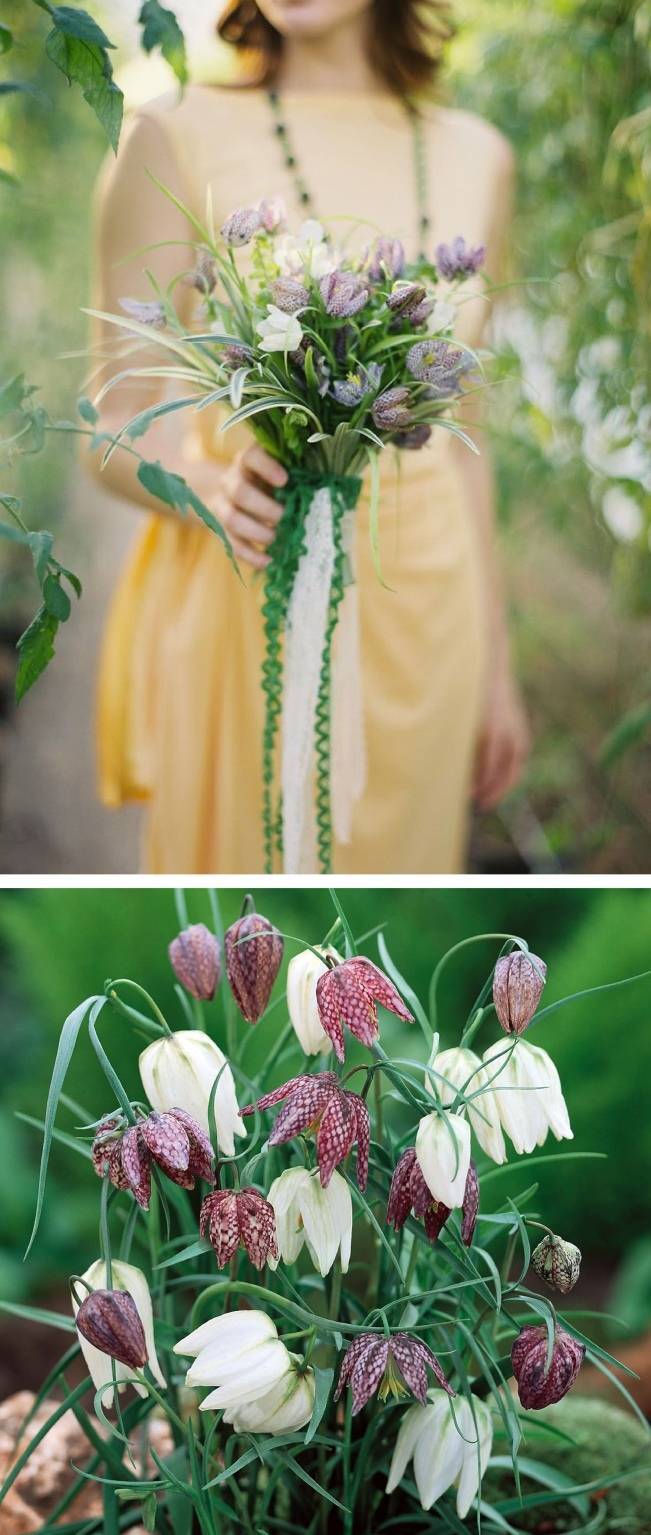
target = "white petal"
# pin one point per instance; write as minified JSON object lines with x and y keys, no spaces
{"x":552,"y":1102}
{"x":233,"y":1332}
{"x":444,"y":1168}
{"x":438,"y":1456}
{"x":244,"y":1380}
{"x":455,"y":1066}
{"x":411,"y":1427}
{"x":124,"y":1276}
{"x":179,"y":1073}
{"x":284,"y":1197}
{"x":475,"y":1458}
{"x":519,"y":1117}
{"x":303,"y":972}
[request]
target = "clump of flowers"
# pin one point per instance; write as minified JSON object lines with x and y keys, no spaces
{"x":336,"y":1296}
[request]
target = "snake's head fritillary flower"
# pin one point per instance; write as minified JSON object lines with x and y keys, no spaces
{"x":303,"y":972}
{"x":458,"y":259}
{"x":517,"y":988}
{"x":319,"y":1105}
{"x":453,"y":1069}
{"x":386,"y":259}
{"x":273,"y":214}
{"x":320,"y":1218}
{"x":343,"y":293}
{"x":239,"y":1218}
{"x":443,"y":1154}
{"x":557,"y":1262}
{"x":446,"y":1453}
{"x":235,"y":354}
{"x":438,"y":364}
{"x":540,"y":1384}
{"x":115,"y":1324}
{"x":409,"y":1195}
{"x":279,"y":332}
{"x":392,"y":409}
{"x":526,"y":1114}
{"x":145,"y":311}
{"x":195,"y":959}
{"x":109,"y":1320}
{"x":289,"y":294}
{"x":241,"y":226}
{"x":286,"y":1407}
{"x":406,"y":298}
{"x":239,"y":1355}
{"x":254,"y":951}
{"x":348,"y":995}
{"x":351,"y":390}
{"x":395,"y":1366}
{"x":180,"y":1071}
{"x":173,"y":1140}
{"x":413,"y":438}
{"x":203,"y":277}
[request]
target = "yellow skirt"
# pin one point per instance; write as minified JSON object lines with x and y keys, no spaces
{"x":181,"y":707}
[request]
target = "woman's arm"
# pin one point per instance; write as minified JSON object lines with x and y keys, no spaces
{"x":133,"y":213}
{"x":503,"y":743}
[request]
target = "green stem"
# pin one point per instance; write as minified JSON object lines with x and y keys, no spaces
{"x":521,"y":943}
{"x":134,"y":986}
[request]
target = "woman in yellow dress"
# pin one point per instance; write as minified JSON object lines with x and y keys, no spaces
{"x":181,"y":706}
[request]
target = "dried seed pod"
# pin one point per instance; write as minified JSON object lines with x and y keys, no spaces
{"x":110,"y":1321}
{"x":195,"y":959}
{"x":254,"y":949}
{"x":557,"y":1262}
{"x":517,"y":988}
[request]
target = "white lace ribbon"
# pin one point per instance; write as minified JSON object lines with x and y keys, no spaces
{"x":305,"y":631}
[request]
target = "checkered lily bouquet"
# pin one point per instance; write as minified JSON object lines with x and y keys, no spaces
{"x":330,"y":359}
{"x":311,"y":1288}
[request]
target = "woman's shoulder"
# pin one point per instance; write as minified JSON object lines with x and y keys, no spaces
{"x":199,"y":105}
{"x":467,"y":133}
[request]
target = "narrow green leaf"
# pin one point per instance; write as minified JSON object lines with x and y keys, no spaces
{"x":6,"y":39}
{"x":38,"y":1314}
{"x":175,"y":491}
{"x":324,"y":1379}
{"x":405,"y":989}
{"x":67,"y":1041}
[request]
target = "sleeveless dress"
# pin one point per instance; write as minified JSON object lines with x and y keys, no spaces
{"x":180,"y":703}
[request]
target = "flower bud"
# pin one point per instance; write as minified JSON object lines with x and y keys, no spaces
{"x":539,"y":1385}
{"x":195,"y":960}
{"x":517,"y":987}
{"x":126,"y":1280}
{"x":241,"y":226}
{"x":288,"y":294}
{"x":254,"y":951}
{"x":392,"y":409}
{"x":109,"y":1320}
{"x":557,"y":1262}
{"x":406,"y":298}
{"x":303,"y":972}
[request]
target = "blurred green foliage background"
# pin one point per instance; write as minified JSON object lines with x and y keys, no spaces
{"x":568,"y":82}
{"x":59,"y":946}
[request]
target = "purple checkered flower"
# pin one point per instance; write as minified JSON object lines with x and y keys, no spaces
{"x":395,"y":1366}
{"x":173,"y":1140}
{"x":392,"y":409}
{"x":458,"y":259}
{"x":241,"y":226}
{"x":413,"y":438}
{"x":437,"y":364}
{"x":319,"y":1104}
{"x":353,"y":389}
{"x":232,"y":1218}
{"x":406,"y":299}
{"x":343,"y":293}
{"x":145,"y":311}
{"x":386,"y":258}
{"x":348,"y":994}
{"x":539,"y":1386}
{"x":409,"y":1195}
{"x":289,"y":295}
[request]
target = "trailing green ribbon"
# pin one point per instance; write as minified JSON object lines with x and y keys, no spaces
{"x":286,"y":551}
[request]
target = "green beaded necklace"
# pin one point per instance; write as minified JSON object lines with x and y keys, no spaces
{"x":303,"y":194}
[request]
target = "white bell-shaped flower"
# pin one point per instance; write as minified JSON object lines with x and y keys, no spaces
{"x":528,"y":1093}
{"x":306,"y":1213}
{"x":443,"y":1155}
{"x":444,"y":1455}
{"x":453,"y":1068}
{"x":178,"y":1072}
{"x":124,"y":1276}
{"x":287,"y":1406}
{"x":303,"y":972}
{"x":239,"y":1354}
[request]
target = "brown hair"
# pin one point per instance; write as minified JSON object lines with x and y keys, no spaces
{"x":406,"y":40}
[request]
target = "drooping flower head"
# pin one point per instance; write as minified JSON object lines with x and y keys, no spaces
{"x":527,"y":1090}
{"x":241,"y":226}
{"x":391,"y":1366}
{"x":254,"y":951}
{"x":458,"y":259}
{"x":109,"y":1320}
{"x":233,"y":1218}
{"x":196,"y":962}
{"x":348,"y":995}
{"x":173,"y":1141}
{"x":352,"y":389}
{"x":289,"y":294}
{"x":557,"y":1262}
{"x":303,"y":972}
{"x":343,"y":293}
{"x":279,"y":332}
{"x":409,"y":1195}
{"x":145,"y":311}
{"x":413,"y":438}
{"x":307,"y":1214}
{"x":438,"y":364}
{"x":239,"y":1355}
{"x":318,"y":1104}
{"x":454,"y":1068}
{"x":538,"y":1384}
{"x":111,"y":1323}
{"x":180,"y":1070}
{"x":517,"y":988}
{"x":443,"y":1154}
{"x":445,"y":1453}
{"x":392,"y":409}
{"x":386,"y":258}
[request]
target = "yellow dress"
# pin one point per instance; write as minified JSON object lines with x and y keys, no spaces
{"x":180,"y":703}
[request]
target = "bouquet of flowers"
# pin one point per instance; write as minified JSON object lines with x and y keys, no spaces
{"x":325,"y":1318}
{"x":330,"y":358}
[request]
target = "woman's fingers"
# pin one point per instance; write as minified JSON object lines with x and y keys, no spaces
{"x":248,"y":555}
{"x":250,"y":499}
{"x":245,"y":527}
{"x":256,"y":461}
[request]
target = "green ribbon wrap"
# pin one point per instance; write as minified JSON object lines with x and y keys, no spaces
{"x":286,"y":551}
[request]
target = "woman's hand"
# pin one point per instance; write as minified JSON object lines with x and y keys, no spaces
{"x":503,"y":745}
{"x":245,"y":507}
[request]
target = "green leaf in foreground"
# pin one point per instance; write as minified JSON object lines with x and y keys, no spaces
{"x":175,"y":491}
{"x":78,"y":47}
{"x":160,"y":29}
{"x":35,"y":650}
